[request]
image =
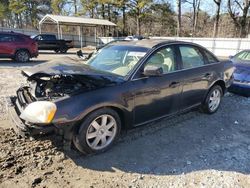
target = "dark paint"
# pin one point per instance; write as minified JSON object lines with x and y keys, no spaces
{"x":241,"y":84}
{"x":139,"y":99}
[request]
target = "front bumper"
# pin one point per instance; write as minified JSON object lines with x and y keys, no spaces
{"x":240,"y":88}
{"x":21,"y":127}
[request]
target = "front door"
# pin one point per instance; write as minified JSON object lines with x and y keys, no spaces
{"x":157,"y":96}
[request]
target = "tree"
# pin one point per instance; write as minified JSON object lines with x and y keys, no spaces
{"x":179,"y":29}
{"x":89,"y":7}
{"x":238,"y":11}
{"x":4,"y":11}
{"x":122,"y":5}
{"x":196,"y":9}
{"x":57,"y":6}
{"x":162,"y":15}
{"x":138,"y":10}
{"x":217,"y":18}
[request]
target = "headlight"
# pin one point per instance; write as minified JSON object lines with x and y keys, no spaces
{"x":39,"y":112}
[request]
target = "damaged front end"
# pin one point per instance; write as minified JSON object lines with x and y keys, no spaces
{"x":34,"y":109}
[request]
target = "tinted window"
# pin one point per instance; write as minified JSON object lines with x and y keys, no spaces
{"x":10,"y":38}
{"x":47,"y":37}
{"x":164,"y":58}
{"x":6,"y":38}
{"x":191,"y":57}
{"x":210,"y":57}
{"x":17,"y":38}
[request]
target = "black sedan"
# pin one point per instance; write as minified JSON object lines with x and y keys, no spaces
{"x":126,"y":84}
{"x":241,"y":84}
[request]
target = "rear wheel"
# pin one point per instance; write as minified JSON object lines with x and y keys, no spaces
{"x":22,"y":56}
{"x":213,"y":100}
{"x":63,"y":50}
{"x":57,"y":50}
{"x":98,"y":131}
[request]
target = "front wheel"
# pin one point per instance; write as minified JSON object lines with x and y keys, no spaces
{"x":98,"y":131}
{"x":22,"y":56}
{"x":213,"y":100}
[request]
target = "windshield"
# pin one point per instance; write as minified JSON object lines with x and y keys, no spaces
{"x":244,"y":56}
{"x":116,"y":59}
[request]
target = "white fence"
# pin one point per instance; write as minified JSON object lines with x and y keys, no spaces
{"x":222,"y":47}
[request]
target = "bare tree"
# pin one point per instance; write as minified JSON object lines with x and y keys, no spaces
{"x":179,"y":18}
{"x":217,"y":17}
{"x":196,"y":8}
{"x":240,"y":20}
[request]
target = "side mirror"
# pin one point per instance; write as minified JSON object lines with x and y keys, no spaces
{"x":151,"y":70}
{"x":230,"y":57}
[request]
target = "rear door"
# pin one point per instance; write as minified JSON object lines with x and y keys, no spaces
{"x":7,"y":47}
{"x":199,"y":74}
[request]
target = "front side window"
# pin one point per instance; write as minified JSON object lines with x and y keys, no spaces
{"x":191,"y":57}
{"x":117,"y":59}
{"x":164,"y":58}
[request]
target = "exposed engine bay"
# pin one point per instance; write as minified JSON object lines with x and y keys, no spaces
{"x":56,"y":86}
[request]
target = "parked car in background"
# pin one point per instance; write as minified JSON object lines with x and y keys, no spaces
{"x":126,"y":84}
{"x":135,"y":37}
{"x":50,"y":42}
{"x":17,"y":46}
{"x":89,"y":55}
{"x":241,"y":84}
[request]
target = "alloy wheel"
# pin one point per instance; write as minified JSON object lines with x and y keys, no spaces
{"x":214,"y":100}
{"x":22,"y":56}
{"x":101,"y":132}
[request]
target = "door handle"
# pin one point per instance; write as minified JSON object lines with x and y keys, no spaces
{"x":208,"y":75}
{"x":174,"y":84}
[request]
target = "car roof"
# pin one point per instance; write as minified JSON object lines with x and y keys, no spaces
{"x":150,"y":43}
{"x":12,"y":33}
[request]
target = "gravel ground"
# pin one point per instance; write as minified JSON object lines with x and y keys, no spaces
{"x":190,"y":150}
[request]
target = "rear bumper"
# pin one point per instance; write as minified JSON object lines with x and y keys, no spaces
{"x":241,"y":89}
{"x":22,"y":128}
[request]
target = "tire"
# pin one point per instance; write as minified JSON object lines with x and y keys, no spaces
{"x":63,"y":50}
{"x":92,"y":137}
{"x":210,"y":105}
{"x":57,"y":51}
{"x":22,"y":56}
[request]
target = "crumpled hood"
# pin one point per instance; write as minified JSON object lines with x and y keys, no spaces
{"x":69,"y":66}
{"x":242,"y":72}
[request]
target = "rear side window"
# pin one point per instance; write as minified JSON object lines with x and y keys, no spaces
{"x":6,"y":38}
{"x":10,"y":38}
{"x":210,"y":58}
{"x":191,"y":57}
